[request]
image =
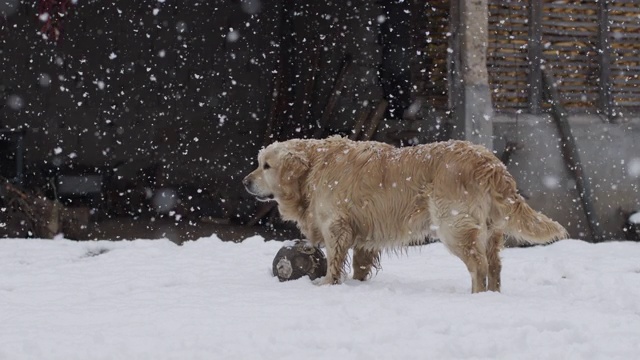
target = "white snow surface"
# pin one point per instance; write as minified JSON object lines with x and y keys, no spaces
{"x":208,"y":299}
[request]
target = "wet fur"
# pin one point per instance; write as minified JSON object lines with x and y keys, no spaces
{"x":370,"y":197}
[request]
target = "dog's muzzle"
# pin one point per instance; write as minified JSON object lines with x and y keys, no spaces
{"x":248,"y":185}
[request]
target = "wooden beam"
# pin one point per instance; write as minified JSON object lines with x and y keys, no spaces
{"x":572,"y":156}
{"x":377,"y":116}
{"x":360,"y":122}
{"x":309,"y":84}
{"x":334,"y":96}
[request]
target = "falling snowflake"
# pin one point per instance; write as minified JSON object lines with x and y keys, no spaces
{"x":633,"y":168}
{"x":15,"y":102}
{"x":233,"y":35}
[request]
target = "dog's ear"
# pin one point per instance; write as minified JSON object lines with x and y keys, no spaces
{"x":296,"y":160}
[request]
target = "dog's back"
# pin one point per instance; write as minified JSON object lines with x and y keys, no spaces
{"x":391,"y":194}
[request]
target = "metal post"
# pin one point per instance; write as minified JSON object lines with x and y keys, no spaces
{"x":604,"y":59}
{"x":453,"y":60}
{"x":535,"y":56}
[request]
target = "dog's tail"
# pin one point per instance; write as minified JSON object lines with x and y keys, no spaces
{"x":522,"y":222}
{"x":528,"y":225}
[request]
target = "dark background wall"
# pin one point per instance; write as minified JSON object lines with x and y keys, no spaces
{"x":181,"y":93}
{"x":144,"y":83}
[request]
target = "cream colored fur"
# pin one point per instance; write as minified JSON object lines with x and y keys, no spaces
{"x":371,"y":197}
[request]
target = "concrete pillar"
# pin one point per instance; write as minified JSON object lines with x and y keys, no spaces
{"x":471,"y":95}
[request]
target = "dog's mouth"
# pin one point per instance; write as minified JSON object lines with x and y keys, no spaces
{"x":265,"y":197}
{"x":249,"y":186}
{"x":260,"y":197}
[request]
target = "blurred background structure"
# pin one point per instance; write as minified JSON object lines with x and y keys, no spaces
{"x":129,"y":119}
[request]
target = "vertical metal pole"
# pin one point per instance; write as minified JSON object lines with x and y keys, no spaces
{"x":535,"y":56}
{"x":604,"y":59}
{"x":455,"y":76}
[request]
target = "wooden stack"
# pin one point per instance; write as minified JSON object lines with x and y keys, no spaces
{"x":624,"y":36}
{"x":507,"y":60}
{"x":570,"y":49}
{"x":570,"y":46}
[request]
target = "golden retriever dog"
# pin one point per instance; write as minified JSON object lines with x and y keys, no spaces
{"x":370,"y":196}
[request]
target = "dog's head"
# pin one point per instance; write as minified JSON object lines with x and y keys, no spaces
{"x":281,"y":168}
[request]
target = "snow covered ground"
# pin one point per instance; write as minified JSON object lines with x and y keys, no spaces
{"x":152,"y":299}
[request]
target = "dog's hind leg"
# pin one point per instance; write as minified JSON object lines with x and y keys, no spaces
{"x":338,"y":239}
{"x":463,"y":240}
{"x":363,"y":261}
{"x":496,"y":242}
{"x":472,"y":253}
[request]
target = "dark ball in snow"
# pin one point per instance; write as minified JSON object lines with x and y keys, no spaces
{"x":297,"y":259}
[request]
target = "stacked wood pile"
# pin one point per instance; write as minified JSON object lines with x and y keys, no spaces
{"x":570,"y":46}
{"x":570,"y":51}
{"x":507,"y":60}
{"x":624,"y":36}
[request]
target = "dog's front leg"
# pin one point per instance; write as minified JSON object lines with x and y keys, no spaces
{"x":338,"y":238}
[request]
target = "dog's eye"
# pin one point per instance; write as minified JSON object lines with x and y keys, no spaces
{"x":266,"y":166}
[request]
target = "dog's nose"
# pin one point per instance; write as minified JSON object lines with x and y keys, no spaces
{"x":246,"y":182}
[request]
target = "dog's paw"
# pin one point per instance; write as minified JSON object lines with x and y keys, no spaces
{"x":326,"y":280}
